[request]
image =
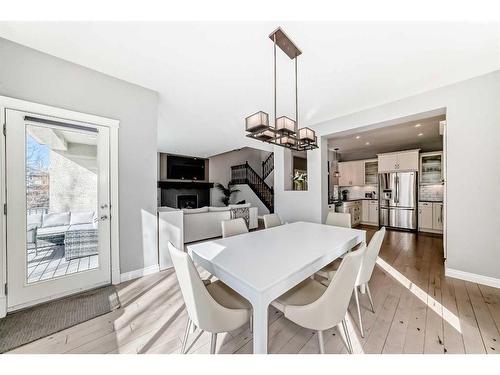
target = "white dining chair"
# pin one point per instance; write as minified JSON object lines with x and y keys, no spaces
{"x":213,"y":308}
{"x":365,"y":272}
{"x":338,"y":219}
{"x":315,"y":306}
{"x":271,"y":220}
{"x":234,"y":227}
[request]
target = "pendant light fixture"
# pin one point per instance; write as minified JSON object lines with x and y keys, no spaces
{"x":284,"y":131}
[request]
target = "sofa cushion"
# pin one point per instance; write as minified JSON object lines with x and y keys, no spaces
{"x":51,"y":231}
{"x":81,"y":217}
{"x":195,"y":210}
{"x":83,"y":226}
{"x":218,"y":209}
{"x":56,"y":219}
{"x":240,"y":205}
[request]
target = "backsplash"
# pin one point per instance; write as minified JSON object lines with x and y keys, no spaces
{"x":358,"y":192}
{"x":431,"y":192}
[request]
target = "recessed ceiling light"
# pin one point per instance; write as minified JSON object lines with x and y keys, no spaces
{"x":418,"y":125}
{"x":420,"y":134}
{"x":358,"y":137}
{"x":367,"y":143}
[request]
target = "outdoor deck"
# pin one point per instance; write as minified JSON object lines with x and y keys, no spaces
{"x":49,"y":262}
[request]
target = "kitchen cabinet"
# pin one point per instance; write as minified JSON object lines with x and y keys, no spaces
{"x":351,"y":173}
{"x":431,"y":168}
{"x":369,"y":212}
{"x":430,"y":217}
{"x":437,"y":216}
{"x":425,"y":215}
{"x":371,"y":172}
{"x":373,"y":216}
{"x":353,"y":208}
{"x":398,"y":161}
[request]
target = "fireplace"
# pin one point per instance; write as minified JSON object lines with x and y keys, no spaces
{"x":187,"y":201}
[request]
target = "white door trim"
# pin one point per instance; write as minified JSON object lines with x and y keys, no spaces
{"x":113,"y":125}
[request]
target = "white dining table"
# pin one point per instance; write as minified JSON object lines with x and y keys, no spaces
{"x":264,"y":264}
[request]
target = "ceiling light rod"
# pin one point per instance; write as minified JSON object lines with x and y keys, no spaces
{"x":284,"y":132}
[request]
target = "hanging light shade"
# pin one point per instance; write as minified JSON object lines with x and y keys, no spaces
{"x":283,"y":131}
{"x":307,"y":135}
{"x":285,"y":125}
{"x":287,"y":141}
{"x":264,"y":135}
{"x":257,"y":121}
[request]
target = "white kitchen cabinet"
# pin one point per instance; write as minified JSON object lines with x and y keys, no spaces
{"x":365,"y":211}
{"x":398,"y":161}
{"x":352,"y":173}
{"x":437,"y":216}
{"x":373,"y":216}
{"x":431,"y":168}
{"x":425,"y":215}
{"x":369,"y":212}
{"x":371,"y":172}
{"x":430,"y":217}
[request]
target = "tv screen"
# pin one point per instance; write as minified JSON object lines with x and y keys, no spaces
{"x":183,"y":168}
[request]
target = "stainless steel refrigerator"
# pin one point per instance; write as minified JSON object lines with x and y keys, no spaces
{"x":398,"y":200}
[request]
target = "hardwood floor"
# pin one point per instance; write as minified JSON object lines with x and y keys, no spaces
{"x":417,"y":310}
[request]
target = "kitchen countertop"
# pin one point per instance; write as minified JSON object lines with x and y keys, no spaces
{"x":431,"y":200}
{"x":353,"y":200}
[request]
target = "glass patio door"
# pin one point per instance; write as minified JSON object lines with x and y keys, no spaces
{"x":58,"y":227}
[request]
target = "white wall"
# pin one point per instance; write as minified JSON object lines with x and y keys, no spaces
{"x":41,"y":78}
{"x":473,"y":156}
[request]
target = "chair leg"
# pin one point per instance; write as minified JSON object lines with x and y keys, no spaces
{"x":213,"y":343}
{"x":186,"y":335}
{"x":321,"y":341}
{"x":370,"y":297}
{"x":356,"y":297}
{"x":347,"y":337}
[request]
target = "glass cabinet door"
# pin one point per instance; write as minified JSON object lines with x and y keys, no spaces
{"x":371,"y":172}
{"x":431,"y":169}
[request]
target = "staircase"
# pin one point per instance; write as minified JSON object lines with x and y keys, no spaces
{"x":268,"y":166}
{"x":245,"y":174}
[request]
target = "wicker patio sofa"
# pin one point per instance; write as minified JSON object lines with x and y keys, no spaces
{"x":77,"y":231}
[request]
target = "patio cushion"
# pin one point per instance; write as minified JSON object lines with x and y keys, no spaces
{"x":81,"y":217}
{"x":50,"y":231}
{"x":56,"y":219}
{"x":34,"y":220}
{"x":86,"y":226}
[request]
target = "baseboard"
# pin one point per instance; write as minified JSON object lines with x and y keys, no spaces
{"x":3,"y":306}
{"x":472,"y":277}
{"x":135,"y":274}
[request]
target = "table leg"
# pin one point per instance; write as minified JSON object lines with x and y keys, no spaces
{"x":260,"y":327}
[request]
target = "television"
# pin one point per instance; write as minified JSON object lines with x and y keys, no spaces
{"x":185,"y":168}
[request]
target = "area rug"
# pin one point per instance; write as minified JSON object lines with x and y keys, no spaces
{"x":43,"y":320}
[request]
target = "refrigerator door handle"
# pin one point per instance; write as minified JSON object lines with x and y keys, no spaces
{"x":397,"y":189}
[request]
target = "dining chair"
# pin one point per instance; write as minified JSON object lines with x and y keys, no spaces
{"x":234,"y":227}
{"x":213,"y":308}
{"x":365,"y":272}
{"x":338,"y":219}
{"x":271,"y":220}
{"x":312,"y":305}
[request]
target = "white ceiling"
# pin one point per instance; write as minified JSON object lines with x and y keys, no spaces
{"x":210,"y":76}
{"x":398,"y":137}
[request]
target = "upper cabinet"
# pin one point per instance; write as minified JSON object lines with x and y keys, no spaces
{"x":398,"y":161}
{"x":351,"y":173}
{"x":371,"y":172}
{"x":431,"y":168}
